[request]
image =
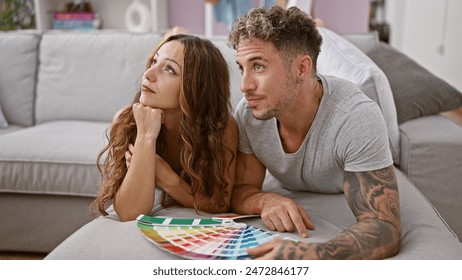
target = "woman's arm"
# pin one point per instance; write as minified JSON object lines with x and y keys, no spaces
{"x":180,"y":191}
{"x":136,"y":193}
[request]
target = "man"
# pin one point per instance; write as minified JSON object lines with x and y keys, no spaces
{"x":313,"y":133}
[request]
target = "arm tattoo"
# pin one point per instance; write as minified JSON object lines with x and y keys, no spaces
{"x":373,"y":194}
{"x":292,"y":250}
{"x":374,"y":200}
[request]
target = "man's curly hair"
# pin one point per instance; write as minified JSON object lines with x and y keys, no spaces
{"x":291,"y":31}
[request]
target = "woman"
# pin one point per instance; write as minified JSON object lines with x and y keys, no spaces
{"x":178,"y":135}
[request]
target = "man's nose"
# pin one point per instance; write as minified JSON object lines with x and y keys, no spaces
{"x":247,"y":83}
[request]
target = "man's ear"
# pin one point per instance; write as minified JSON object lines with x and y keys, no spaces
{"x":304,"y":66}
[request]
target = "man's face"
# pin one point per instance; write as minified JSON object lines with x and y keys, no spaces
{"x":268,"y":85}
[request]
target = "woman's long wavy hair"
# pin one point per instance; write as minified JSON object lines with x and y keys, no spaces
{"x":204,"y":102}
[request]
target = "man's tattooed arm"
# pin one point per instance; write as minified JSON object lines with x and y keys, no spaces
{"x":374,"y":200}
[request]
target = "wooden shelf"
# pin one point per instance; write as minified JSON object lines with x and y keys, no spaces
{"x":112,"y":13}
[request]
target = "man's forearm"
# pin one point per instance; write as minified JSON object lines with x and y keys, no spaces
{"x":371,"y":239}
{"x":246,"y":199}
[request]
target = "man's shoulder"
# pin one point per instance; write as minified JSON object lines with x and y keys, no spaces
{"x":343,"y":95}
{"x":336,"y":83}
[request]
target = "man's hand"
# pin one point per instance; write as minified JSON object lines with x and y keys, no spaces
{"x":281,"y":249}
{"x":283,"y":214}
{"x":277,"y":212}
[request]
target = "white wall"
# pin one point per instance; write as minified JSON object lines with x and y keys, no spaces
{"x":429,"y":32}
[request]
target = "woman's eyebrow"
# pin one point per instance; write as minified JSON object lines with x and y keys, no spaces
{"x":156,"y":55}
{"x":174,"y":61}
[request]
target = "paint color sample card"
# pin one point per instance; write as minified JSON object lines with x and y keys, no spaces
{"x":208,"y":238}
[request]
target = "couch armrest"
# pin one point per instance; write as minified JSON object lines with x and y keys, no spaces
{"x":431,"y":156}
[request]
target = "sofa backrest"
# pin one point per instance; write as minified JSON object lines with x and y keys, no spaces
{"x":18,"y":66}
{"x":89,"y":75}
{"x":235,"y":76}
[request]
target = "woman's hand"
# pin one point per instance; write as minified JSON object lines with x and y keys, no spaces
{"x":148,"y":121}
{"x":165,"y":176}
{"x":128,"y":155}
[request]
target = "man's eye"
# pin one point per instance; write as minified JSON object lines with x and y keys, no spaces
{"x":258,"y":67}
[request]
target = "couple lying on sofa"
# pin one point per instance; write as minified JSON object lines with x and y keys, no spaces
{"x":180,"y":136}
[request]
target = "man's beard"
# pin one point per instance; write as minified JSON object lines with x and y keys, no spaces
{"x":282,"y":104}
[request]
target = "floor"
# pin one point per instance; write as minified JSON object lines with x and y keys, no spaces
{"x":21,"y":256}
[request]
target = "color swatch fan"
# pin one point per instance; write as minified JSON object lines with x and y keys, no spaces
{"x":209,"y":238}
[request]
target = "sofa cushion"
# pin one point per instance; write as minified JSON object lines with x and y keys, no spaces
{"x":341,"y":58}
{"x":417,"y":92}
{"x":425,"y":234}
{"x":90,"y":75}
{"x":432,"y":156}
{"x":52,"y":158}
{"x":18,"y":68}
{"x":10,"y":129}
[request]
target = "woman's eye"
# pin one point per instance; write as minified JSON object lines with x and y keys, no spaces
{"x":154,"y":62}
{"x":170,"y":70}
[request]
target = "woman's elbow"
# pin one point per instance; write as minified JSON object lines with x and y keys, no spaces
{"x":127,"y":215}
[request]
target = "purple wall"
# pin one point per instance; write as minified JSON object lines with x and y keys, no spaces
{"x":188,"y":13}
{"x":343,"y":16}
{"x":340,"y":16}
{"x":191,"y":14}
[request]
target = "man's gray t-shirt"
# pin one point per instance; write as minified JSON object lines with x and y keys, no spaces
{"x":348,"y":134}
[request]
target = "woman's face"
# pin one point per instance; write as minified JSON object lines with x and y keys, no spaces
{"x":161,"y":82}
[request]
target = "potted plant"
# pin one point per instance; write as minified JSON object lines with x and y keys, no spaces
{"x":17,"y":14}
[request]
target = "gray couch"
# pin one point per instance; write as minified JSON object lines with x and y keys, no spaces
{"x":58,"y":93}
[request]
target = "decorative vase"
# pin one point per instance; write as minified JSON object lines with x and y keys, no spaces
{"x":138,"y":17}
